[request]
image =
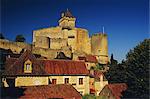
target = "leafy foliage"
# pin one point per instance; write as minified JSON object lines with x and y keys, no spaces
{"x":20,"y":38}
{"x":134,"y":71}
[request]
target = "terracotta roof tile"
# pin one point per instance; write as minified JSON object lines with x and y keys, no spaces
{"x":15,"y":66}
{"x":65,"y":67}
{"x":44,"y":92}
{"x":116,"y":89}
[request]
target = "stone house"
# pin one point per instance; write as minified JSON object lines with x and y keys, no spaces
{"x":27,"y":70}
{"x":97,"y":82}
{"x":90,"y":61}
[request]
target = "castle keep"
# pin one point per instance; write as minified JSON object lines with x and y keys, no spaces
{"x":66,"y":37}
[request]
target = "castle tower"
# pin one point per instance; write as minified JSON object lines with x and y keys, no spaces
{"x":67,"y":20}
{"x":99,"y":47}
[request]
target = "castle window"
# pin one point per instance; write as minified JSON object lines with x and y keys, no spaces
{"x":28,"y":66}
{"x":80,"y":81}
{"x":49,"y":42}
{"x":71,"y":37}
{"x":66,"y":80}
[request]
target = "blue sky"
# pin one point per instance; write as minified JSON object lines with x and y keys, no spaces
{"x":125,"y":21}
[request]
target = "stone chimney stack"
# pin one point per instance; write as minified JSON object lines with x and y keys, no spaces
{"x":92,"y":71}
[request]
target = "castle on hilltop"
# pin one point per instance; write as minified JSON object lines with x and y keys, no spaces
{"x":66,"y":38}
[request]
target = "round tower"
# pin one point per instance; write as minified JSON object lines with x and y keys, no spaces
{"x":99,"y":47}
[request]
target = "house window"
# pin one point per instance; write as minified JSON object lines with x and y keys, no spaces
{"x":66,"y":80}
{"x":54,"y":81}
{"x":80,"y":81}
{"x":28,"y":66}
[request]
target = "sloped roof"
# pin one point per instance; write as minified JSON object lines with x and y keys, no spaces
{"x":15,"y":66}
{"x":68,"y":14}
{"x":88,"y":58}
{"x":62,"y":91}
{"x":60,"y":67}
{"x":116,"y":89}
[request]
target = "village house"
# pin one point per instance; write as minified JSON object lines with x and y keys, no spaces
{"x":27,"y":70}
{"x":97,"y":81}
{"x":90,"y":61}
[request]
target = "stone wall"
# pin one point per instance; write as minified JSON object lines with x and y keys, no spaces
{"x":16,"y":47}
{"x":30,"y":81}
{"x":83,"y":41}
{"x":99,"y":47}
{"x":51,"y":53}
{"x":58,"y":43}
{"x":66,"y":22}
{"x":53,"y":32}
{"x":74,"y":80}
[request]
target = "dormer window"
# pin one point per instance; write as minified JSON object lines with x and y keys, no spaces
{"x":28,"y":66}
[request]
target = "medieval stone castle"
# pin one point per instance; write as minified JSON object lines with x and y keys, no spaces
{"x":66,"y":38}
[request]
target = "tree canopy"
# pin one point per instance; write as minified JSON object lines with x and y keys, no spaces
{"x":134,"y":71}
{"x":20,"y":38}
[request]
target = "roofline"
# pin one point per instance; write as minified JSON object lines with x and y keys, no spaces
{"x":48,"y":75}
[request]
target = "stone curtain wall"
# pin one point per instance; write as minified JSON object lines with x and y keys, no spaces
{"x":16,"y":47}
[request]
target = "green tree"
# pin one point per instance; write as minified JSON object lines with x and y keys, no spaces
{"x":134,"y":71}
{"x":137,"y":66}
{"x":20,"y":38}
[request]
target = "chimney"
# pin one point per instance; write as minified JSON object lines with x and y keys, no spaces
{"x":8,"y":56}
{"x":92,"y":71}
{"x":71,"y":56}
{"x":101,"y":77}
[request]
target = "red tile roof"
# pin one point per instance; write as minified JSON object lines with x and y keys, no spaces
{"x":15,"y":66}
{"x":60,"y":67}
{"x":116,"y":89}
{"x":88,"y":58}
{"x":42,"y":92}
{"x":51,"y":91}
